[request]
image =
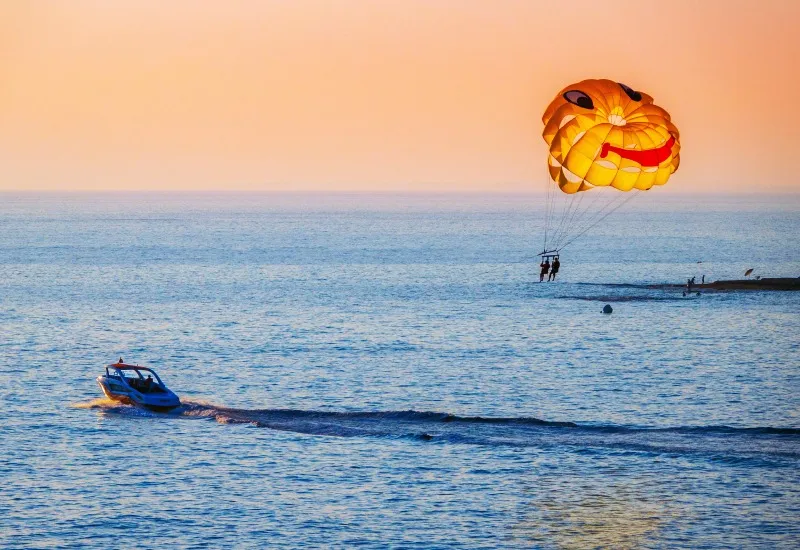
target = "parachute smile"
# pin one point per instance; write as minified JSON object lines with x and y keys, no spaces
{"x":647,"y":157}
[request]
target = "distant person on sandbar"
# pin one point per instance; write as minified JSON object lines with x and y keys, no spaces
{"x":689,"y":283}
{"x":545,"y":265}
{"x":554,"y":269}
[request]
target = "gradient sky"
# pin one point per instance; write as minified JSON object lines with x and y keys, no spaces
{"x":393,"y":95}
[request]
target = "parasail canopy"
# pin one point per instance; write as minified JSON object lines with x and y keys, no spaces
{"x":602,"y":135}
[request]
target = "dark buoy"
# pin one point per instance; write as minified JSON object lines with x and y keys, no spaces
{"x":607,"y":309}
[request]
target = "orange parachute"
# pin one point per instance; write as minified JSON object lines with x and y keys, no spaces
{"x":603,"y":134}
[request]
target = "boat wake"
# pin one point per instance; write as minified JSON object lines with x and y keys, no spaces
{"x":99,"y":403}
{"x":106,"y":405}
{"x":776,"y":445}
{"x":625,"y":292}
{"x":628,"y":298}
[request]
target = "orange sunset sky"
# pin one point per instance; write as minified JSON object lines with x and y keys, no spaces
{"x":392,"y":95}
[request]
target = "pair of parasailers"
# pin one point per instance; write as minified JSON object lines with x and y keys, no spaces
{"x":547,"y":268}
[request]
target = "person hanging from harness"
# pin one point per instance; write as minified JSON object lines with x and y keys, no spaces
{"x":554,"y":269}
{"x":545,"y":265}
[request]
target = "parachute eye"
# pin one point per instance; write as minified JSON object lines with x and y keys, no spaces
{"x":577,"y":97}
{"x":634,"y":95}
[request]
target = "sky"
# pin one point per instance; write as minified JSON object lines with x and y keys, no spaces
{"x":379,"y":96}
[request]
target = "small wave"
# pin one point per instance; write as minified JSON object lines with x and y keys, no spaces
{"x":766,"y":430}
{"x":197,"y":408}
{"x":720,"y":429}
{"x":626,"y":298}
{"x":618,"y":285}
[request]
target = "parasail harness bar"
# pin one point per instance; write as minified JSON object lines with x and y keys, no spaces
{"x":548,"y":254}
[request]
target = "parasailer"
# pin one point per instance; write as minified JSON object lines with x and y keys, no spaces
{"x":545,"y":265}
{"x":554,"y":269}
{"x":605,"y":140}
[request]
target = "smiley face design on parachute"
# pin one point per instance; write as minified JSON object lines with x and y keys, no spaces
{"x":603,"y":133}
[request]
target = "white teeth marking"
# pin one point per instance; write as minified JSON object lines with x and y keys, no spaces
{"x":553,"y":162}
{"x":650,"y":169}
{"x":572,"y":178}
{"x":606,"y":164}
{"x":617,"y":120}
{"x":565,"y":120}
{"x":632,"y":169}
{"x":578,"y":137}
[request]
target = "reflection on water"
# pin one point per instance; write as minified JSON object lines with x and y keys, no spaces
{"x":99,"y":403}
{"x":597,"y":513}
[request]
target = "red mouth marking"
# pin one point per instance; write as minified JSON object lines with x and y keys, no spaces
{"x":648,"y":157}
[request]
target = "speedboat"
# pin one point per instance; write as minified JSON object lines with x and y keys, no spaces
{"x":136,"y":385}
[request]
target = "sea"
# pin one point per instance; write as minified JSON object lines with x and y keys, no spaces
{"x":387,"y":371}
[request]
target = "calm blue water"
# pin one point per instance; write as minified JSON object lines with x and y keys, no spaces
{"x":375,"y":371}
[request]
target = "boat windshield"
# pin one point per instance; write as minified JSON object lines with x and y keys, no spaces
{"x":143,"y":380}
